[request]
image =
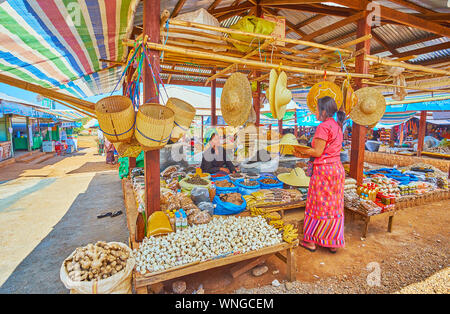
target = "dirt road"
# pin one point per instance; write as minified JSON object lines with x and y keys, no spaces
{"x":49,"y":209}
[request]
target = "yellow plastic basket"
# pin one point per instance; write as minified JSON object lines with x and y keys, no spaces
{"x":116,"y":118}
{"x":154,"y":124}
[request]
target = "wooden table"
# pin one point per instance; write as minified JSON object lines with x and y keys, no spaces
{"x":142,"y":283}
{"x":366,"y":219}
{"x":283,"y":207}
{"x":437,"y":155}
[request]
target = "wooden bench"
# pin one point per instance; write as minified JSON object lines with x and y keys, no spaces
{"x":366,"y":219}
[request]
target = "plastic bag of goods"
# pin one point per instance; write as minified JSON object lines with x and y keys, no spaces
{"x":227,"y":208}
{"x":94,"y":257}
{"x":207,"y":206}
{"x":251,"y":24}
{"x":200,"y":16}
{"x":187,"y":185}
{"x":225,"y":186}
{"x":269,"y":182}
{"x":199,"y":195}
{"x":244,"y":189}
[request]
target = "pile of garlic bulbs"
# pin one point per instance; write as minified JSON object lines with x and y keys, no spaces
{"x":221,"y":236}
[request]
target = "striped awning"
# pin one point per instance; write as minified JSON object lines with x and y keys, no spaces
{"x":57,"y":44}
{"x":391,"y":119}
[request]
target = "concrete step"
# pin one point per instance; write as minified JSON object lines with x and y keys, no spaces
{"x":7,"y":162}
{"x":23,"y":156}
{"x":43,"y":158}
{"x":33,"y":156}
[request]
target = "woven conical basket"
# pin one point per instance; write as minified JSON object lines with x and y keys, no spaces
{"x":184,"y":114}
{"x":154,"y":124}
{"x":116,"y":117}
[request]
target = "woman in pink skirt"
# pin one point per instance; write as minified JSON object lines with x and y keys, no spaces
{"x":324,"y":215}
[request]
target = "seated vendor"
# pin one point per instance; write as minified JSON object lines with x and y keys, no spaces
{"x":215,"y":159}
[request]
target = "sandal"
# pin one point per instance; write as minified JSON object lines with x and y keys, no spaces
{"x":118,"y":213}
{"x":104,"y":215}
{"x":302,"y":244}
{"x":332,"y":250}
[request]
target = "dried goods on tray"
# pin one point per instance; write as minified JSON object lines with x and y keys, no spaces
{"x":196,"y":180}
{"x":224,"y":184}
{"x":217,"y":238}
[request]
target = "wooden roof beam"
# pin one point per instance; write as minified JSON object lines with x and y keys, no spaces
{"x":410,"y":5}
{"x":290,"y":26}
{"x":424,"y":50}
{"x":233,"y":8}
{"x":384,"y":44}
{"x":334,"y":26}
{"x":178,"y":7}
{"x":400,"y":17}
{"x":214,"y":5}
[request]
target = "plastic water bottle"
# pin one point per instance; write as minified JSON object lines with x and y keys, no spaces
{"x":178,"y":221}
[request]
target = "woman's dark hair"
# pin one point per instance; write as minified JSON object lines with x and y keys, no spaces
{"x":328,"y":105}
{"x":212,"y":136}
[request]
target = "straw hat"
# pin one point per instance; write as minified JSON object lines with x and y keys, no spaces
{"x":270,"y":94}
{"x":350,"y":100}
{"x":296,"y":177}
{"x":286,"y":146}
{"x":323,"y":89}
{"x":370,"y":108}
{"x":282,"y":96}
{"x":236,"y":99}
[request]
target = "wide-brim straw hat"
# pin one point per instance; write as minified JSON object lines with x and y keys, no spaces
{"x":296,"y":177}
{"x":270,"y":94}
{"x":184,"y":114}
{"x":286,"y":146}
{"x":116,"y":118}
{"x":323,"y":89}
{"x":236,"y":100}
{"x":350,"y":99}
{"x":154,"y":124}
{"x":282,"y":96}
{"x":370,"y":108}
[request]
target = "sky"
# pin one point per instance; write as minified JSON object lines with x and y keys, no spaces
{"x":31,"y":97}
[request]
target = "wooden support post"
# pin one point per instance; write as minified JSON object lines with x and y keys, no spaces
{"x":151,"y":9}
{"x":280,"y":127}
{"x":257,"y":102}
{"x":290,"y":265}
{"x":359,"y":131}
{"x":29,"y":134}
{"x":296,"y":125}
{"x":203,"y":125}
{"x":213,"y":101}
{"x":422,"y":129}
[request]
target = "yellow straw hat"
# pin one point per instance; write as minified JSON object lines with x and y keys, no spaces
{"x":236,"y":99}
{"x":270,"y":94}
{"x":286,"y":146}
{"x":323,"y":89}
{"x":370,"y":108}
{"x":282,"y":96}
{"x":350,"y":99}
{"x":296,"y":177}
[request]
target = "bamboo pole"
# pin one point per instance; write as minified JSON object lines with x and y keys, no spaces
{"x":85,"y":112}
{"x":405,"y":65}
{"x":257,"y":64}
{"x":228,"y":68}
{"x":414,"y":101}
{"x":82,"y":104}
{"x":410,"y":87}
{"x":237,"y":32}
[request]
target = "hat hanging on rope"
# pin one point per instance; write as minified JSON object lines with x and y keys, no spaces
{"x":323,"y":89}
{"x":370,"y":107}
{"x":270,"y":93}
{"x":349,"y":97}
{"x":236,"y":99}
{"x":282,"y":96}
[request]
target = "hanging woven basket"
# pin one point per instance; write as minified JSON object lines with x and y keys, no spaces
{"x":154,"y":125}
{"x":184,"y":114}
{"x":116,"y":118}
